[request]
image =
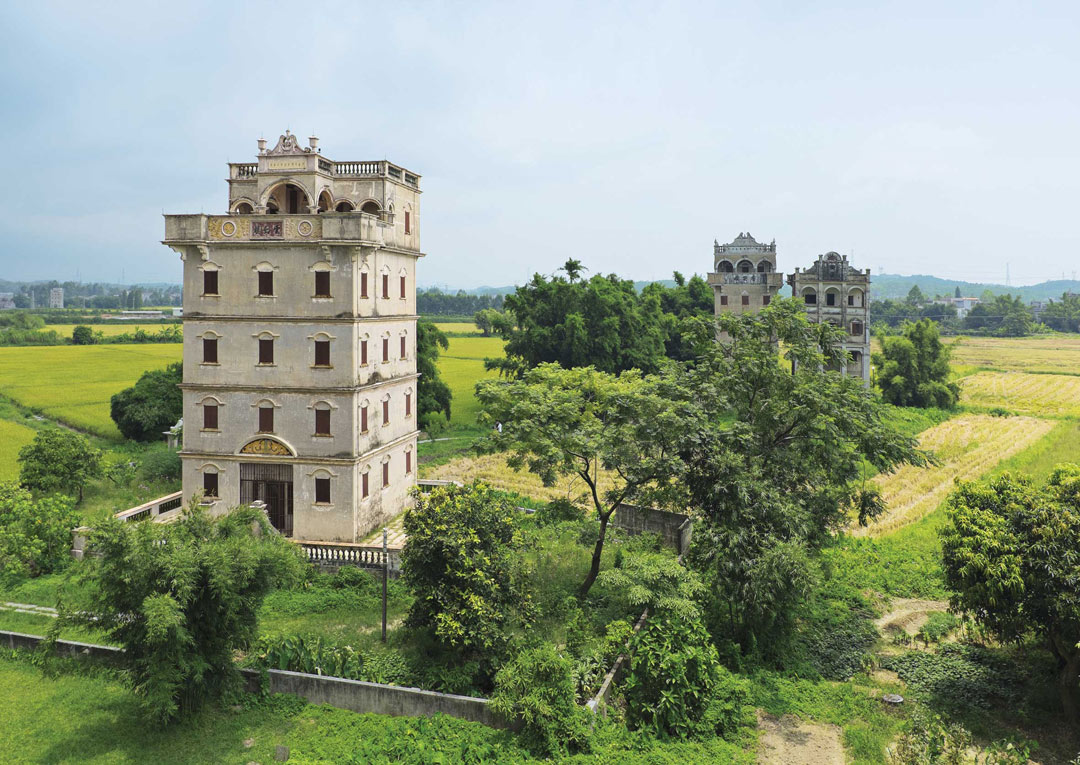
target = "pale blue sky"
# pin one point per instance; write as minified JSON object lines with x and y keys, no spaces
{"x":925,"y":137}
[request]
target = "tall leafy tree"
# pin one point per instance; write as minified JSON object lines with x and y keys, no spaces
{"x":574,"y":422}
{"x":35,"y":536}
{"x":1012,"y":558}
{"x":59,"y":460}
{"x":1064,"y":315}
{"x":913,"y":370}
{"x":774,"y":463}
{"x":601,"y":322}
{"x":182,"y":598}
{"x":687,"y":299}
{"x":432,"y":393}
{"x":1002,"y":315}
{"x":151,"y":406}
{"x":915,"y":296}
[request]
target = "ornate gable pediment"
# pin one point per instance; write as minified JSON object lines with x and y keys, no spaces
{"x":266,"y":446}
{"x":286,"y":145}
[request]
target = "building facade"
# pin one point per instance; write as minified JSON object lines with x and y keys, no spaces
{"x":300,"y":342}
{"x":744,"y":276}
{"x":56,"y":297}
{"x":838,"y":293}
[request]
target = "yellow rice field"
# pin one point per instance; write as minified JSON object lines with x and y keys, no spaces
{"x":967,"y":447}
{"x":492,"y":469}
{"x":1035,"y":394}
{"x":109,"y":330}
{"x":1042,"y":353}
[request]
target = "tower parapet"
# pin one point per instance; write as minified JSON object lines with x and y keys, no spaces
{"x":744,"y":276}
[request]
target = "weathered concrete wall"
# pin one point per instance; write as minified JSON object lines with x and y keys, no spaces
{"x":21,"y":640}
{"x":673,"y":528}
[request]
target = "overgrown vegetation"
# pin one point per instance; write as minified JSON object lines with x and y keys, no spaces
{"x":150,"y":407}
{"x":913,"y":370}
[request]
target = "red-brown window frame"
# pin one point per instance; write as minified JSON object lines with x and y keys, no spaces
{"x":210,"y":282}
{"x":210,"y":416}
{"x":322,"y":491}
{"x":322,"y":284}
{"x":266,"y":283}
{"x":322,"y":353}
{"x":363,"y":284}
{"x":266,"y":419}
{"x":210,"y":485}
{"x":266,"y":350}
{"x":209,"y":350}
{"x":386,"y":286}
{"x":322,"y":422}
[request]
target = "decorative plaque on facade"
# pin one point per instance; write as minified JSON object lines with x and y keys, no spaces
{"x":265,"y":446}
{"x":266,"y":229}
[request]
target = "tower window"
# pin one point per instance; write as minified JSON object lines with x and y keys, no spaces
{"x":810,"y":298}
{"x":403,"y":347}
{"x":209,"y":350}
{"x":266,"y":419}
{"x":385,"y":474}
{"x":210,"y":484}
{"x":401,"y":281}
{"x":322,"y":491}
{"x":363,"y":285}
{"x":830,"y":298}
{"x":209,"y":417}
{"x":266,"y":283}
{"x":723,"y":300}
{"x":363,"y":419}
{"x":746,"y":300}
{"x":386,"y":349}
{"x":322,"y":284}
{"x":364,"y":485}
{"x":322,"y":422}
{"x":322,"y":353}
{"x":266,"y":350}
{"x":386,"y":286}
{"x":408,"y":223}
{"x":209,"y":282}
{"x":408,"y":403}
{"x":766,"y":299}
{"x":363,"y":353}
{"x":856,"y":328}
{"x":386,"y":412}
{"x":408,"y":462}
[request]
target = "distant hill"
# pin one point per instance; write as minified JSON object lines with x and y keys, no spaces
{"x":892,"y":286}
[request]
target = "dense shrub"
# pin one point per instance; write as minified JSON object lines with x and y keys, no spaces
{"x":837,"y":632}
{"x":314,"y":655}
{"x":961,"y":676}
{"x":676,"y":685}
{"x":653,"y":580}
{"x":58,"y":460}
{"x":161,"y":464}
{"x":150,"y":407}
{"x":537,"y":689}
{"x":35,"y":536}
{"x":558,"y":511}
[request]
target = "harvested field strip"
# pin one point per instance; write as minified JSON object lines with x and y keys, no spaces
{"x":1043,"y":353}
{"x":1035,"y":394}
{"x":492,"y":469}
{"x":967,"y":447}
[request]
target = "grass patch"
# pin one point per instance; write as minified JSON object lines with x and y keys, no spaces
{"x":14,"y":436}
{"x":1043,"y":395}
{"x":492,"y":469}
{"x":911,"y":420}
{"x":112,"y":330}
{"x":1062,"y":444}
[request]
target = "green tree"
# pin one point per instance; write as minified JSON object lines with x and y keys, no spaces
{"x":956,"y":292}
{"x":1003,"y":316}
{"x":486,"y":320}
{"x":59,"y":460}
{"x":463,"y":564}
{"x":432,"y":393}
{"x":601,"y":322}
{"x":774,"y":464}
{"x":82,"y":335}
{"x":35,"y":536}
{"x":687,"y":299}
{"x":676,"y":686}
{"x":150,"y":407}
{"x":182,"y":598}
{"x":1010,"y":558}
{"x":1064,"y":315}
{"x":561,"y":422}
{"x":915,"y":296}
{"x":913,"y":370}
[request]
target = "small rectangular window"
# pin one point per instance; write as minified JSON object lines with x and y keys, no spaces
{"x":408,"y":462}
{"x":363,"y":285}
{"x":386,"y":286}
{"x":766,"y":299}
{"x":209,"y":417}
{"x":386,"y":412}
{"x":210,"y":484}
{"x":810,"y":298}
{"x":403,"y":347}
{"x":266,"y":282}
{"x":401,"y":284}
{"x":266,"y":350}
{"x":363,"y":353}
{"x":363,"y":419}
{"x":363,"y":485}
{"x":385,"y":474}
{"x":209,"y":282}
{"x":209,"y":350}
{"x":746,"y":300}
{"x":266,"y":419}
{"x":322,"y":491}
{"x":723,"y":300}
{"x":322,"y":422}
{"x":322,"y":353}
{"x":322,"y":284}
{"x":830,"y":298}
{"x":386,"y":349}
{"x":408,"y":403}
{"x":408,"y":222}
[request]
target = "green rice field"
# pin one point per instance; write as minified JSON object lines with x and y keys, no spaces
{"x":461,"y":366}
{"x":13,"y":437}
{"x":73,"y":383}
{"x":108,"y":330}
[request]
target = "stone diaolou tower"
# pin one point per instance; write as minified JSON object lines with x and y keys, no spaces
{"x":300,"y":341}
{"x":744,"y":276}
{"x":838,"y":293}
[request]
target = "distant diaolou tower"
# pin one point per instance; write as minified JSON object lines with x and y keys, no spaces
{"x":744,"y":275}
{"x":834,"y":291}
{"x":300,"y":342}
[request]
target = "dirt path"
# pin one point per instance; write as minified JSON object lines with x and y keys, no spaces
{"x":787,"y":740}
{"x":908,"y":614}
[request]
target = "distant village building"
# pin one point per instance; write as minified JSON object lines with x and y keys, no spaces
{"x":838,"y":293}
{"x":300,"y":342}
{"x":962,"y":304}
{"x":56,"y":297}
{"x":7,"y":300}
{"x":744,"y":276}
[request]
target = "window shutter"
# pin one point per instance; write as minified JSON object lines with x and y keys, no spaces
{"x":322,"y":284}
{"x":386,"y":285}
{"x":408,"y":462}
{"x":363,"y":419}
{"x":210,"y":418}
{"x":322,"y":490}
{"x":363,"y":353}
{"x":266,"y":282}
{"x":386,"y":349}
{"x":401,"y":282}
{"x":266,"y":351}
{"x":210,"y":283}
{"x":385,"y":474}
{"x":266,"y":419}
{"x":766,"y":299}
{"x":364,"y":485}
{"x":322,"y":422}
{"x":209,"y":350}
{"x":408,"y":223}
{"x":408,"y":403}
{"x":210,"y":484}
{"x":746,"y":300}
{"x":386,"y":412}
{"x":363,"y":285}
{"x":403,"y":347}
{"x":322,"y":353}
{"x":723,"y":300}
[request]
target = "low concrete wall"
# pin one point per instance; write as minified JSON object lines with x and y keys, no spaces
{"x":673,"y":528}
{"x":359,"y":696}
{"x":338,"y":692}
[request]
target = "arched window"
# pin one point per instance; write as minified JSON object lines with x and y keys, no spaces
{"x":244,"y":208}
{"x":321,"y":478}
{"x":764,"y":267}
{"x":725,"y":267}
{"x":322,"y":418}
{"x":832,"y":296}
{"x":325,"y":202}
{"x":745,"y":267}
{"x":211,"y":475}
{"x":855,"y":298}
{"x":344,"y":206}
{"x":210,"y":407}
{"x":265,"y":273}
{"x":371,"y":207}
{"x":809,"y":296}
{"x":210,"y":346}
{"x":287,"y":198}
{"x":364,"y":416}
{"x":857,"y":328}
{"x":210,"y":279}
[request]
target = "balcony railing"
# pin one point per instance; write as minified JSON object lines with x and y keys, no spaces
{"x":246,"y":171}
{"x":348,"y":554}
{"x":153,"y":508}
{"x":357,"y":168}
{"x":749,"y":278}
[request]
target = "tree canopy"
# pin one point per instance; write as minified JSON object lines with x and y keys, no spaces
{"x":59,"y":460}
{"x":150,"y":407}
{"x":35,"y":535}
{"x":432,"y":393}
{"x":1002,"y":316}
{"x":1011,"y":553}
{"x":913,"y":370}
